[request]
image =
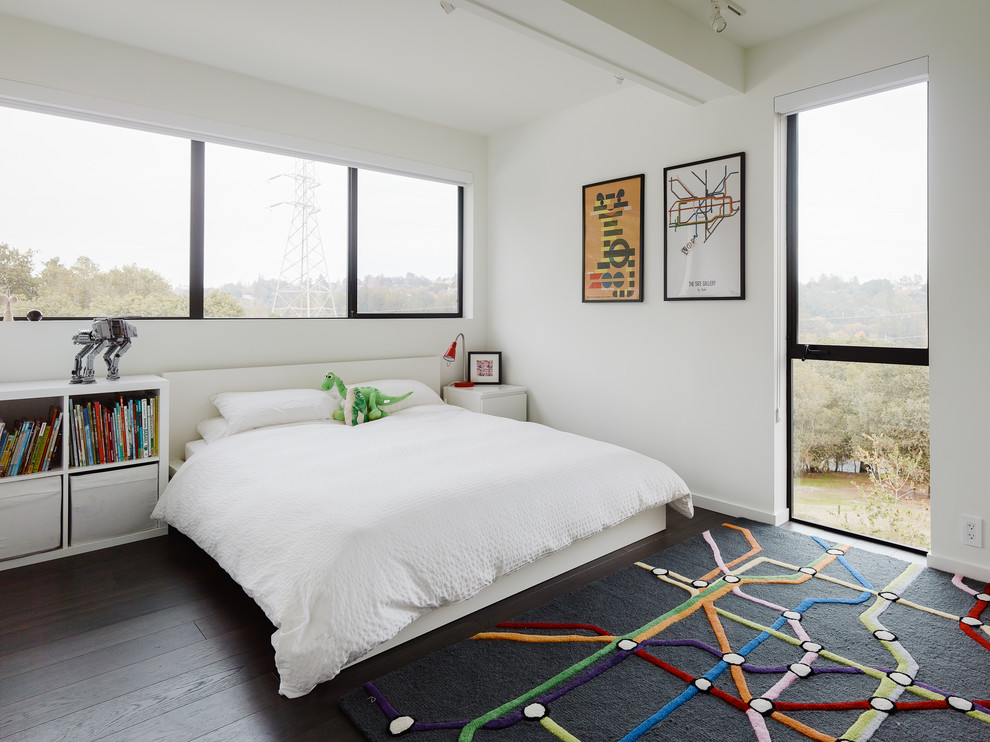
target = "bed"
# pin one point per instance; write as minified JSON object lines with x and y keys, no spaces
{"x":354,"y":539}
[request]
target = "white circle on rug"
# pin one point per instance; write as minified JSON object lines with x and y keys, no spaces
{"x":791,"y":615}
{"x":660,"y":571}
{"x":970,"y":621}
{"x":700,"y":583}
{"x":808,"y":570}
{"x":881,"y":704}
{"x":884,"y":635}
{"x":400,"y":724}
{"x":984,"y":597}
{"x":901,"y":678}
{"x":887,"y":595}
{"x":835,"y":552}
{"x":535,"y":711}
{"x":628,"y":645}
{"x":733,"y":658}
{"x":811,"y":647}
{"x":959,"y":704}
{"x":761,"y":705}
{"x":703,"y":684}
{"x":732,"y":579}
{"x":800,"y":669}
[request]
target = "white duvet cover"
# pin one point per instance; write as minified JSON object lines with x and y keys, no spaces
{"x":344,"y":535}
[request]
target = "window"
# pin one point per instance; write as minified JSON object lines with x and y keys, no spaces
{"x":408,"y":235}
{"x":275,"y":237}
{"x":94,"y":219}
{"x":101,"y":220}
{"x":857,"y":314}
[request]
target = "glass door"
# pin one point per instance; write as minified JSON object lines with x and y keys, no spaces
{"x":857,"y":315}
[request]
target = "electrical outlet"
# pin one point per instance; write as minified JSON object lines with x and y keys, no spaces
{"x":972,"y":531}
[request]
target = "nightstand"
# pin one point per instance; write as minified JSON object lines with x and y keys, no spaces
{"x":501,"y":400}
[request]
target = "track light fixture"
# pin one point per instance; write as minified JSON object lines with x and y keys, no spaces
{"x":448,"y":8}
{"x":718,"y":22}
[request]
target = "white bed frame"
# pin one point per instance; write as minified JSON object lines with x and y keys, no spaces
{"x":190,"y":393}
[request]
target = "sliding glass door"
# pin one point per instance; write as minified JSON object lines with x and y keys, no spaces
{"x":857,"y":315}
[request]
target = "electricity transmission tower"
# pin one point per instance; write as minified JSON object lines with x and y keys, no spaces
{"x":303,"y":288}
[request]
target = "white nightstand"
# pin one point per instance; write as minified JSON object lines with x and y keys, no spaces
{"x":501,"y":400}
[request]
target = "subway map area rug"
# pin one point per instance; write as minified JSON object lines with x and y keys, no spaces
{"x":747,"y":632}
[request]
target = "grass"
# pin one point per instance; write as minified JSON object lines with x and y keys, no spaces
{"x":833,"y":499}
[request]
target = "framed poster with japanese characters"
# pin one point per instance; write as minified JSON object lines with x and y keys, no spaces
{"x":704,"y":214}
{"x":612,"y":256}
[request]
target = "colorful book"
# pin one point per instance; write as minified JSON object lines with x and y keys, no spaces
{"x":139,"y":416}
{"x":18,"y":455}
{"x":94,"y":416}
{"x":8,"y":450}
{"x":88,"y":431}
{"x":123,"y":430}
{"x":118,"y":433}
{"x":129,"y":421}
{"x":80,"y":436}
{"x":34,"y":463}
{"x":52,"y":440}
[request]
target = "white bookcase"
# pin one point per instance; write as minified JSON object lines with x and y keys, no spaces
{"x":71,"y":509}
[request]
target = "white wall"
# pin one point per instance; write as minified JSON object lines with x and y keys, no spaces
{"x":694,"y":383}
{"x":112,"y":79}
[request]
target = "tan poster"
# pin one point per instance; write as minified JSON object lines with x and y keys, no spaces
{"x":613,"y":240}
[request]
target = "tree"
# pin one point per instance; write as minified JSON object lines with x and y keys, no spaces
{"x":219,"y":303}
{"x":17,"y":273}
{"x":836,"y":404}
{"x":894,"y":478}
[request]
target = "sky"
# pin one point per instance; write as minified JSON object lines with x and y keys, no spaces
{"x":863,"y":180}
{"x":121,"y":196}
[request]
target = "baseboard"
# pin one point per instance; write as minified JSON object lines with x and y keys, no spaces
{"x":954,"y":566}
{"x":739,"y":511}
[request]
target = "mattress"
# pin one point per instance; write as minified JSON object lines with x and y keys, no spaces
{"x":344,"y":535}
{"x":192,"y":447}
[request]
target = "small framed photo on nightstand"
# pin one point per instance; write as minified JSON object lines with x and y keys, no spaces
{"x":485,"y":367}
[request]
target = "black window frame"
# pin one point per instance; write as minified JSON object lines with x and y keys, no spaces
{"x":353,"y":240}
{"x":197,"y":250}
{"x":198,"y":247}
{"x":795,"y":351}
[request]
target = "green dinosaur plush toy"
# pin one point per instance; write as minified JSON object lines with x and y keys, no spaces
{"x":361,"y":403}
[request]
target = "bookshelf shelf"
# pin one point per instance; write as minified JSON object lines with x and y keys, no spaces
{"x":47,"y":514}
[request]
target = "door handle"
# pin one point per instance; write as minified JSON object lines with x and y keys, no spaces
{"x":808,"y":350}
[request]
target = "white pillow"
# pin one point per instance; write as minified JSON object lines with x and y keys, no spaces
{"x":421,"y":393}
{"x":248,"y":410}
{"x":213,"y":429}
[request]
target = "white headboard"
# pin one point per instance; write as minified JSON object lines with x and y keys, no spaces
{"x":190,"y":391}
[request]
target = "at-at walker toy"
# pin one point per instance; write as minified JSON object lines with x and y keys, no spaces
{"x":111,"y":331}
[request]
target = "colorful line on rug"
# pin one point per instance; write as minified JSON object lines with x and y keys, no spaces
{"x":897,"y":688}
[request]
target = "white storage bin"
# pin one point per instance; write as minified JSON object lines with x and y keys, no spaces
{"x":112,"y":503}
{"x":30,"y":516}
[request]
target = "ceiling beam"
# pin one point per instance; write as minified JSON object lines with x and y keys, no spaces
{"x":649,"y":42}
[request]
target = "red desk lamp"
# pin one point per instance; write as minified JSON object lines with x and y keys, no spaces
{"x":451,"y":355}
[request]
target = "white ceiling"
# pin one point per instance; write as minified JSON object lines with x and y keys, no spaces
{"x":489,"y":65}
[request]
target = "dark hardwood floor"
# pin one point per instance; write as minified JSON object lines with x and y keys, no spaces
{"x":153,"y":641}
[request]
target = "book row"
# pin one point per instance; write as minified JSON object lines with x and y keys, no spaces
{"x":28,"y":446}
{"x":122,"y":430}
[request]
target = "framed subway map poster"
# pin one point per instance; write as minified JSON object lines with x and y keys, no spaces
{"x":704,"y":212}
{"x":612,"y":257}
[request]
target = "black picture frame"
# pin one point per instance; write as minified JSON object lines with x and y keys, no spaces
{"x":704,"y":206}
{"x":485,"y":366}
